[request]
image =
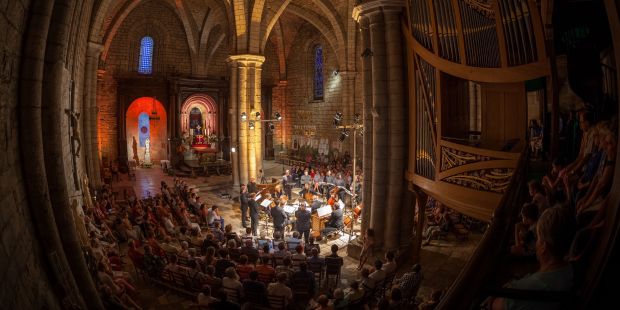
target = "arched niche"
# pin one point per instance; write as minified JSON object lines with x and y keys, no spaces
{"x":146,"y":118}
{"x":207,"y":118}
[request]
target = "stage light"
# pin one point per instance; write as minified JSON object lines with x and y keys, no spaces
{"x":272,"y":126}
{"x":244,"y":116}
{"x":277,"y":116}
{"x":258,"y":116}
{"x":337,"y":119}
{"x":233,"y":149}
{"x":357,"y":118}
{"x":251,"y":124}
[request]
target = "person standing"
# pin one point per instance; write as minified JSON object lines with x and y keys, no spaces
{"x":243,"y":199}
{"x":287,"y":182}
{"x":279,"y":219}
{"x":254,"y":214}
{"x":252,"y":187}
{"x":302,"y":225}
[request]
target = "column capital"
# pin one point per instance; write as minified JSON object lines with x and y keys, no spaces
{"x":94,"y":48}
{"x":246,"y":59}
{"x":372,"y":6}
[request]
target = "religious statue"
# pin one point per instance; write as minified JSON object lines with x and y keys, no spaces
{"x":75,"y":133}
{"x":197,"y":131}
{"x":134,"y":147}
{"x":147,"y":151}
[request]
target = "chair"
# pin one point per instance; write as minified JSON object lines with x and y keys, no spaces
{"x":254,"y":298}
{"x":276,"y":302}
{"x":317,"y":269}
{"x":292,"y":246}
{"x":232,"y":294}
{"x":332,"y":269}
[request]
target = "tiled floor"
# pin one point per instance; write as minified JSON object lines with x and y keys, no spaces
{"x":441,"y":261}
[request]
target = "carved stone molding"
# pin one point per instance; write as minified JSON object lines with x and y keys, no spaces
{"x":452,"y":158}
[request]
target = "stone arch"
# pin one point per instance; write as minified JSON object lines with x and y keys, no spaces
{"x":207,"y":106}
{"x":157,"y":131}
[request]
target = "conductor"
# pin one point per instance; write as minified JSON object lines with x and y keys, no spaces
{"x":302,"y":225}
{"x":287,"y":181}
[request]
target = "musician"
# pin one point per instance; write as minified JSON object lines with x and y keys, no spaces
{"x":277,"y":191}
{"x":307,"y":192}
{"x":254,"y":213}
{"x":243,"y":199}
{"x":302,"y":225}
{"x":252,"y":187}
{"x":287,"y":182}
{"x":329,"y":178}
{"x":316,"y":203}
{"x":336,"y":222}
{"x":280,"y":219}
{"x":305,"y":179}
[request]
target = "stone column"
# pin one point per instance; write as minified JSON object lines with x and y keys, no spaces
{"x":233,"y":117}
{"x":397,"y":125}
{"x":367,"y":149}
{"x":90,"y":120}
{"x":245,"y":97}
{"x":383,"y":100}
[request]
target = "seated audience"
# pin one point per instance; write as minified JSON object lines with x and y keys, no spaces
{"x":555,"y":230}
{"x":390,"y":265}
{"x":409,"y":283}
{"x":525,"y":232}
{"x":204,"y":297}
{"x":230,"y":282}
{"x":280,"y":288}
{"x":253,"y":285}
{"x":379,"y":274}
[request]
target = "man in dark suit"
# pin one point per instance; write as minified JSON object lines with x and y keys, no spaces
{"x":252,"y":187}
{"x":280,"y":219}
{"x":254,"y":214}
{"x":244,"y":200}
{"x":287,"y":182}
{"x":336,"y":222}
{"x":302,"y":225}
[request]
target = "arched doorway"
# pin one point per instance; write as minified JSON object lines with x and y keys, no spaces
{"x":199,"y":116}
{"x":145,"y":119}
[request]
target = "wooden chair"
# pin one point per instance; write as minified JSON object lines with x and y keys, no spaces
{"x":276,"y":302}
{"x":232,"y":295}
{"x":317,"y":269}
{"x":332,"y":270}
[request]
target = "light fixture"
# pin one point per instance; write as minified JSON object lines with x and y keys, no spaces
{"x":336,"y":72}
{"x":233,"y":149}
{"x":337,"y":119}
{"x":342,"y":137}
{"x":346,"y":132}
{"x":277,"y":116}
{"x":272,"y":126}
{"x":251,"y":124}
{"x":244,"y":116}
{"x":258,"y":116}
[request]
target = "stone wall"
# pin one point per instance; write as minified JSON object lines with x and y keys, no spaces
{"x":306,"y":117}
{"x":25,"y":284}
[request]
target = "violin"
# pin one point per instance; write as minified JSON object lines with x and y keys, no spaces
{"x":358,"y":210}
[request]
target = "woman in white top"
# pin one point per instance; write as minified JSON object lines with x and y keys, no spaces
{"x":230,"y":283}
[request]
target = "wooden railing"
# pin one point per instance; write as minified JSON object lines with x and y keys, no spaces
{"x":479,"y":269}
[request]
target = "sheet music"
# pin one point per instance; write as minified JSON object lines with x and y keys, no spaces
{"x":266,"y":203}
{"x":324,"y":211}
{"x":290,"y":208}
{"x":258,"y":197}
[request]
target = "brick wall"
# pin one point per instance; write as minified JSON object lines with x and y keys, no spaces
{"x":107,"y":117}
{"x":22,"y":272}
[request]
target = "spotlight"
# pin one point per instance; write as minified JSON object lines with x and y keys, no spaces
{"x":272,"y":126}
{"x":277,"y":116}
{"x":251,"y":124}
{"x":244,"y":116}
{"x":233,"y":149}
{"x":258,"y":116}
{"x":337,"y":119}
{"x":357,"y":118}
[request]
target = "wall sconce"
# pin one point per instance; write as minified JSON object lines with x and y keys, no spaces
{"x":258,"y":116}
{"x":233,"y":149}
{"x":251,"y":125}
{"x":277,"y":116}
{"x":336,"y":72}
{"x":244,"y":116}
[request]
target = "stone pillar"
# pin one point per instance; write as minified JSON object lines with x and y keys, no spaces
{"x":367,"y":149}
{"x":384,"y":108}
{"x":396,"y":127}
{"x":279,"y":105}
{"x":246,"y":97}
{"x":233,"y":117}
{"x":90,"y":120}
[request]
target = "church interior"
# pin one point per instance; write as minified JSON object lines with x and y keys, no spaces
{"x":309,"y":154}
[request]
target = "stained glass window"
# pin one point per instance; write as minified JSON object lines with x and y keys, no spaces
{"x":318,"y":73}
{"x":144,"y":127}
{"x":145,"y":66}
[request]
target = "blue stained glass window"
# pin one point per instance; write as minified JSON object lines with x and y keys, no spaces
{"x":145,"y":66}
{"x":318,"y":73}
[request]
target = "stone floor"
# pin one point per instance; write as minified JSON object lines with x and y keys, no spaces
{"x":441,"y":261}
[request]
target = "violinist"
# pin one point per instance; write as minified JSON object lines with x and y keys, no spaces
{"x":280,"y":219}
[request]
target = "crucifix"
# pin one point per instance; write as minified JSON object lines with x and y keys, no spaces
{"x":74,"y":133}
